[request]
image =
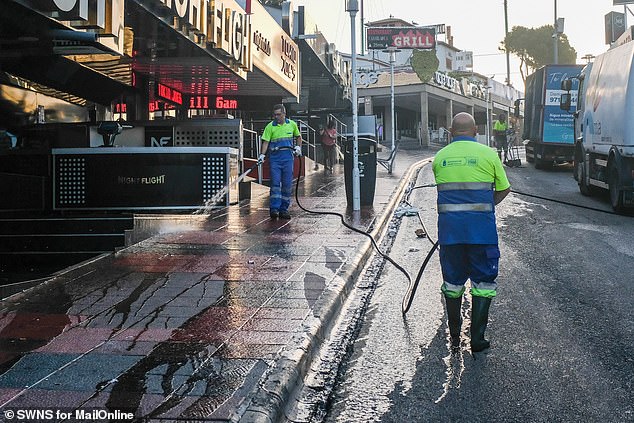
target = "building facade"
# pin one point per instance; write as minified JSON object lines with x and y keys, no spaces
{"x":424,"y":108}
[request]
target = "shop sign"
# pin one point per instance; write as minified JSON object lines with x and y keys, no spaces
{"x":159,"y":136}
{"x":204,"y":102}
{"x":421,"y":38}
{"x":289,"y":58}
{"x":165,"y":93}
{"x":104,"y":17}
{"x":476,"y":90}
{"x":447,"y":81}
{"x":225,"y":103}
{"x":261,"y":43}
{"x":222,"y":23}
{"x":365,"y":79}
{"x":273,"y":51}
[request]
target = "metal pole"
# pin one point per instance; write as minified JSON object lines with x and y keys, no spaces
{"x":353,"y":8}
{"x":362,"y":31}
{"x":556,"y":38}
{"x":392,"y":60}
{"x":488,"y":131}
{"x":506,"y":32}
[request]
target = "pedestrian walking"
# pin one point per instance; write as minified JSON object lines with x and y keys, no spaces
{"x":329,"y":144}
{"x":282,"y":141}
{"x":470,"y":181}
{"x":500,"y":128}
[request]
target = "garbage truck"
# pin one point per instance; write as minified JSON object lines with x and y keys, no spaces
{"x":604,"y":128}
{"x":548,"y":130}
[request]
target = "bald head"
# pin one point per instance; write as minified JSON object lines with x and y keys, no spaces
{"x":463,"y":124}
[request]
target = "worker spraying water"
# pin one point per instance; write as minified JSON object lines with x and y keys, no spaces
{"x":277,"y":140}
{"x":470,"y":181}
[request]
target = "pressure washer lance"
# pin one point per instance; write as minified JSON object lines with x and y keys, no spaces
{"x":217,"y":197}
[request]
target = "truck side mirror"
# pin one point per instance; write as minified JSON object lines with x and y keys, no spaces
{"x":566,"y":84}
{"x":564,"y":101}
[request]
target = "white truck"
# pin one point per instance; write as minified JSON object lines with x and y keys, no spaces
{"x":604,"y":126}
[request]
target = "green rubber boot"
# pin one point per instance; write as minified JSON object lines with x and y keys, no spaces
{"x":454,"y":319}
{"x":479,"y":320}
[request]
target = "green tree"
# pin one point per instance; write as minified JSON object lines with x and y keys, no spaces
{"x":534,"y":47}
{"x":424,"y":63}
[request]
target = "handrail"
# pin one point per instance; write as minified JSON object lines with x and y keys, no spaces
{"x":255,"y":136}
{"x":311,"y":133}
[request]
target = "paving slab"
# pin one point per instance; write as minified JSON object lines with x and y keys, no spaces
{"x":211,"y":317}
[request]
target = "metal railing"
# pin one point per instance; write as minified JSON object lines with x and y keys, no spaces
{"x":309,"y":137}
{"x":439,"y":136}
{"x":251,"y":148}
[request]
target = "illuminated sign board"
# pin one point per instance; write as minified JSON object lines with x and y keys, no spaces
{"x":419,"y":38}
{"x":165,"y":93}
{"x":204,"y":102}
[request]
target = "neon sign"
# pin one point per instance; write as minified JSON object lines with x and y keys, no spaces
{"x":224,"y":103}
{"x":169,"y":94}
{"x":204,"y":102}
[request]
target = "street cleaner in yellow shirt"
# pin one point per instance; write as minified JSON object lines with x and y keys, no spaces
{"x":500,"y":128}
{"x":282,"y":141}
{"x":470,"y":181}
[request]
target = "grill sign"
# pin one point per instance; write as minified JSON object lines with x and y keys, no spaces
{"x":405,"y":38}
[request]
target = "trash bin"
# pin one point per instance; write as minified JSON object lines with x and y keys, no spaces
{"x":367,"y":169}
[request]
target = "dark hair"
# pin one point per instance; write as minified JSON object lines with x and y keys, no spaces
{"x":331,"y":124}
{"x":279,"y":107}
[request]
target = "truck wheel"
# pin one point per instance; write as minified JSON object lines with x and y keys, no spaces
{"x":580,"y":174}
{"x":616,"y":194}
{"x":542,"y":164}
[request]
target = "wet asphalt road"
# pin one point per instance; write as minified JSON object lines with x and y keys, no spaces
{"x":561,"y":327}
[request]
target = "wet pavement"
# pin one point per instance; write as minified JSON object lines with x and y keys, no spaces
{"x":212,"y":318}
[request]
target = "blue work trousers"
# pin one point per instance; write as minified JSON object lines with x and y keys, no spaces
{"x":477,"y":262}
{"x":281,"y":166}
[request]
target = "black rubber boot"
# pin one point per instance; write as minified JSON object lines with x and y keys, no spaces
{"x":479,"y":320}
{"x":454,"y":319}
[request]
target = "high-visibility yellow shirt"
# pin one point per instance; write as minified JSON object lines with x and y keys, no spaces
{"x":467,"y":173}
{"x":500,"y":126}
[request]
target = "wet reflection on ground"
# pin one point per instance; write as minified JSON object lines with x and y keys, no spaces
{"x":182,"y":324}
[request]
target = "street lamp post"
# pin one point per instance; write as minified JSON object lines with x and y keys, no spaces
{"x":488,"y":125}
{"x":392,"y":51}
{"x":556,"y":37}
{"x":352,"y":6}
{"x":506,"y":49}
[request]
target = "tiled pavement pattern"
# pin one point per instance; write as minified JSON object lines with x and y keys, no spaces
{"x":187,"y":324}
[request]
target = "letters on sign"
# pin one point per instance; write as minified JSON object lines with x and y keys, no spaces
{"x":169,"y":94}
{"x":223,"y":103}
{"x":289,"y":59}
{"x":226,"y":28}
